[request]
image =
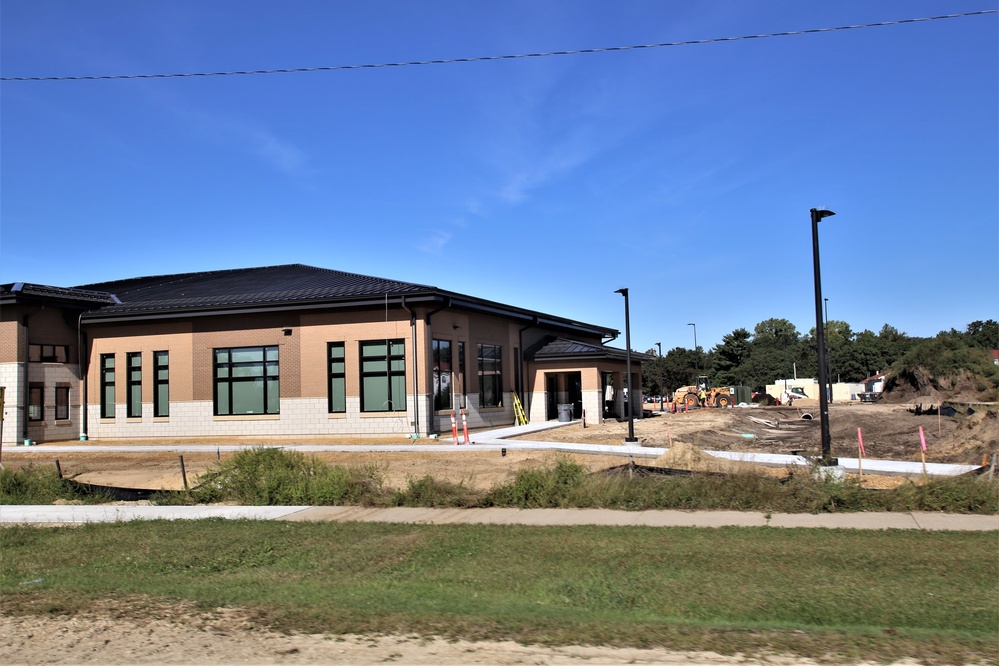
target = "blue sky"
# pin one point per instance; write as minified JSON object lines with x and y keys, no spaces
{"x":684,"y":173}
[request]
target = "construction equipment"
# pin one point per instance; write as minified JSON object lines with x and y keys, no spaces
{"x":713,"y":397}
{"x":518,"y":409}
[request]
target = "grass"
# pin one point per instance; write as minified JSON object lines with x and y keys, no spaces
{"x":267,"y":476}
{"x":43,"y":485}
{"x":857,"y":595}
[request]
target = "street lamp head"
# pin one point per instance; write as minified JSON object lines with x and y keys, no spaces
{"x":820,"y":213}
{"x":623,"y":291}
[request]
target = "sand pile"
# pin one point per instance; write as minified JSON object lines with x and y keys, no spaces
{"x":688,"y":457}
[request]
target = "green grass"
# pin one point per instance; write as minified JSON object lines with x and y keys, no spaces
{"x":856,"y":594}
{"x":42,"y":485}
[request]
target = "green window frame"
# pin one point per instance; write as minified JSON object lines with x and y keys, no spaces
{"x":133,"y":385}
{"x":442,"y":375}
{"x":107,"y":386}
{"x":246,"y":381}
{"x":337,"y":381}
{"x":161,"y":383}
{"x":383,"y":375}
{"x":490,"y":376}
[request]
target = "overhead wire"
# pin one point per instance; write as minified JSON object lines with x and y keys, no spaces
{"x":446,"y":61}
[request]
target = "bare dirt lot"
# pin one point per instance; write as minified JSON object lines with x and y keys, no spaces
{"x":890,"y":432}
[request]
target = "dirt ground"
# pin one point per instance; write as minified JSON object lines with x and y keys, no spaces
{"x":890,"y":432}
{"x":179,"y":634}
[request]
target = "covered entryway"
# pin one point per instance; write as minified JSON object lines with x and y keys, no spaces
{"x":563,"y":388}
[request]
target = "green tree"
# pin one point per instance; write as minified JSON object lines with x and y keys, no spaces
{"x":775,"y":349}
{"x":729,"y":357}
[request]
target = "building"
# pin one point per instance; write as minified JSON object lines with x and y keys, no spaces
{"x":289,"y":351}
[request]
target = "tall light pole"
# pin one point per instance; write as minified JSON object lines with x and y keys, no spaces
{"x":697,"y":359}
{"x":627,"y":341}
{"x":827,"y":459}
{"x":661,"y":396}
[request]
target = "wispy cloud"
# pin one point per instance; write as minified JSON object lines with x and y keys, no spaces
{"x":435,"y":241}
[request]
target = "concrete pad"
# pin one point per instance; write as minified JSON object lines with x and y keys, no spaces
{"x":111,"y":513}
{"x":955,"y":521}
{"x":867,"y":521}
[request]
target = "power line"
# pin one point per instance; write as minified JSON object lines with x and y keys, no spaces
{"x":413,"y":63}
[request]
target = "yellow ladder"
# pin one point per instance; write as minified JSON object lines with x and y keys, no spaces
{"x":518,"y":409}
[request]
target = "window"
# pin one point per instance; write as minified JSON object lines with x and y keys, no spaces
{"x":383,"y":376}
{"x":62,"y":403}
{"x":161,"y":383}
{"x":36,"y":407}
{"x":246,"y":381}
{"x":107,"y":386}
{"x":490,"y":376}
{"x":337,"y":378}
{"x":442,"y":374}
{"x":133,"y":383}
{"x":461,"y":374}
{"x":48,"y":353}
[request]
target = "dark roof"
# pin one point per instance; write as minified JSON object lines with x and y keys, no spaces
{"x":26,"y":293}
{"x":293,"y":283}
{"x":560,"y":349}
{"x":291,"y":287}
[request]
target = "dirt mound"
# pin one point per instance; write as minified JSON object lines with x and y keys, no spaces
{"x":976,"y":436}
{"x":688,"y":457}
{"x":918,"y":385}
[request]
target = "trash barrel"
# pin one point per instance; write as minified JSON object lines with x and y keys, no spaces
{"x":564,"y":413}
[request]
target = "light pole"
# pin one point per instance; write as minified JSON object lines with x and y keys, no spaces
{"x":827,"y":459}
{"x":627,"y":354}
{"x":697,"y":359}
{"x":661,"y":397}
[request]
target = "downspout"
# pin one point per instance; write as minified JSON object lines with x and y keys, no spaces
{"x":431,"y":425}
{"x":83,"y":359}
{"x":525,"y":396}
{"x":416,"y":371}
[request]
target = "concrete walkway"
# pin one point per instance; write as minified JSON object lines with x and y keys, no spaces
{"x":78,"y":514}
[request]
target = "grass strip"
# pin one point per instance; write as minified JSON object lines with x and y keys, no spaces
{"x":814,"y":593}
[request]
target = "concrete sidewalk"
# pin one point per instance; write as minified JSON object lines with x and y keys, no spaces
{"x":78,"y":514}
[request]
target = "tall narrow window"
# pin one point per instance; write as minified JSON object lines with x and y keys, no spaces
{"x":161,"y":383}
{"x":442,"y":375}
{"x":490,"y":376}
{"x":36,"y":405}
{"x":62,"y":403}
{"x":383,"y":376}
{"x":107,"y":386}
{"x":247,"y":381}
{"x":462,"y":387}
{"x":337,"y":378}
{"x":133,"y":383}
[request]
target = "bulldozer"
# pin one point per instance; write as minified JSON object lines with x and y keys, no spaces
{"x":713,"y":397}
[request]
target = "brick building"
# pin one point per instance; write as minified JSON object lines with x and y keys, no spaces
{"x":288,"y":351}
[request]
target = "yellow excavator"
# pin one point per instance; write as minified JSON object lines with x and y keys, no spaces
{"x":713,"y":397}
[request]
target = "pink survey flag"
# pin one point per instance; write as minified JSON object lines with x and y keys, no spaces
{"x":860,"y":442}
{"x":922,"y":438}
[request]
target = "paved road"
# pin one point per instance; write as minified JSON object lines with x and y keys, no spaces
{"x":76,"y":514}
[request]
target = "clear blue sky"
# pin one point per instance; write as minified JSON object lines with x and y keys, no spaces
{"x":684,"y":173}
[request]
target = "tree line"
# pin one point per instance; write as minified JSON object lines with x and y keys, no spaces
{"x":775,"y":349}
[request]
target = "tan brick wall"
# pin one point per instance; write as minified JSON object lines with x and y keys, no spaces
{"x":11,"y":340}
